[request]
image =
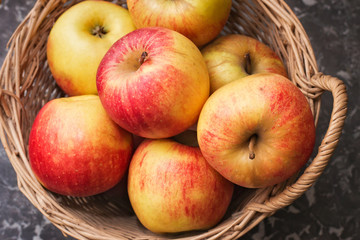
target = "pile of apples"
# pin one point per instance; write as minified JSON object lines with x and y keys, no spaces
{"x":154,"y":93}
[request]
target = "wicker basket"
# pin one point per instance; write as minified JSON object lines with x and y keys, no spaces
{"x":27,"y":84}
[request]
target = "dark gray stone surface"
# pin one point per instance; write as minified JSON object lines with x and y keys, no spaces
{"x":329,"y":210}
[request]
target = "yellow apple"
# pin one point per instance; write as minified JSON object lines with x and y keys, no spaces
{"x":235,"y":56}
{"x":172,"y":188}
{"x":80,"y":38}
{"x":199,"y":20}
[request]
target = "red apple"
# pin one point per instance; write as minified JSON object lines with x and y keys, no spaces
{"x":257,"y":131}
{"x":153,"y":82}
{"x":234,"y":56}
{"x":79,"y":40}
{"x":75,"y":149}
{"x":201,"y":21}
{"x":173,"y":189}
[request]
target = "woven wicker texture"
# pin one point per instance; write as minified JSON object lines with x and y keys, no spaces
{"x":27,"y":84}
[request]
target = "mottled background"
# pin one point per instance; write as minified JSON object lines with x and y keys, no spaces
{"x":329,"y":210}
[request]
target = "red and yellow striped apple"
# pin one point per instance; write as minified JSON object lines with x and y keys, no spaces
{"x":153,"y":82}
{"x":234,"y":56}
{"x":78,"y":41}
{"x":257,"y":131}
{"x":200,"y":21}
{"x":172,"y":188}
{"x":75,"y":149}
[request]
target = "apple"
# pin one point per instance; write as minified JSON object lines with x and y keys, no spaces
{"x":75,"y":149}
{"x":234,"y":56}
{"x":153,"y":82}
{"x":257,"y":131}
{"x":173,"y":189}
{"x":78,"y":41}
{"x":201,"y":21}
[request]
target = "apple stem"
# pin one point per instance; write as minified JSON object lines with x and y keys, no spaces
{"x":251,"y":147}
{"x":247,"y":63}
{"x":143,"y":57}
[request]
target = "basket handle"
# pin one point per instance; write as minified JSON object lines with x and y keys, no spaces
{"x":326,"y":149}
